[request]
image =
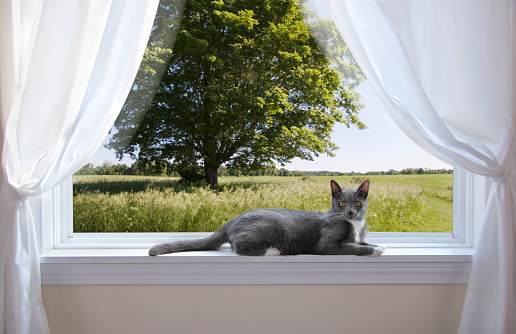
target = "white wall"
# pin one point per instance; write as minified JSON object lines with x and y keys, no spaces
{"x":246,"y":309}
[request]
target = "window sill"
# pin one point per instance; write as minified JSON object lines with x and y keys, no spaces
{"x":398,"y":265}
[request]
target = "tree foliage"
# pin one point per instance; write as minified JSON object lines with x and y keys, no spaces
{"x":247,"y":84}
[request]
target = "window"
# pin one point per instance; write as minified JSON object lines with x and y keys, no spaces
{"x":210,"y":79}
{"x":121,"y":258}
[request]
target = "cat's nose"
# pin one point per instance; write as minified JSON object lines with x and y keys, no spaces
{"x":350,"y":213}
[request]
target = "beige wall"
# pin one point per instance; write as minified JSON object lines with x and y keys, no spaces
{"x":252,"y":309}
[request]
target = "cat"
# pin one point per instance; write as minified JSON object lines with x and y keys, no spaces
{"x":260,"y":232}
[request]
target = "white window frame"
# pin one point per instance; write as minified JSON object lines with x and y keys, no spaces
{"x":121,"y":258}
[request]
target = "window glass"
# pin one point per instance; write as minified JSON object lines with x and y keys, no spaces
{"x":251,"y":104}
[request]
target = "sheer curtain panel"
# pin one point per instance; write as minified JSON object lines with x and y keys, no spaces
{"x":66,"y":68}
{"x":446,"y":74}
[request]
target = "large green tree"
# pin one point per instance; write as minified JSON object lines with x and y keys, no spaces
{"x":247,"y":83}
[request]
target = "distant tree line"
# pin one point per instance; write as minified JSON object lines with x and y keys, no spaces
{"x":108,"y":168}
{"x":409,"y":171}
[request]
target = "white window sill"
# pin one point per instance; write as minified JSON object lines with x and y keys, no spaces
{"x":398,"y":265}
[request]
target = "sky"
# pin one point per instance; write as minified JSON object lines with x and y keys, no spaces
{"x":380,"y":147}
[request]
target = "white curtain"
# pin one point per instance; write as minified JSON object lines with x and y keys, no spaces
{"x":446,"y":73}
{"x":66,"y":68}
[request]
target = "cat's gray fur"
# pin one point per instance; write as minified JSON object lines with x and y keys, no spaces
{"x":290,"y":232}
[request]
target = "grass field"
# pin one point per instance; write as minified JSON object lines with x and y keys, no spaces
{"x":397,"y":203}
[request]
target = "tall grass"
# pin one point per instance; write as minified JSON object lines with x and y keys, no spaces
{"x":146,"y":204}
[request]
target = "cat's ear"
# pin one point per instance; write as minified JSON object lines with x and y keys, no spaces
{"x":336,"y":190}
{"x":364,"y":188}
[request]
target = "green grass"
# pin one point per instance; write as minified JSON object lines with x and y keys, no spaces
{"x":397,"y":203}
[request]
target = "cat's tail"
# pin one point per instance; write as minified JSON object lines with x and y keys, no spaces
{"x":212,"y":242}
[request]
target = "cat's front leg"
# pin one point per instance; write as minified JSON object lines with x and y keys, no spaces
{"x":371,"y":250}
{"x":352,"y":249}
{"x":374,"y":245}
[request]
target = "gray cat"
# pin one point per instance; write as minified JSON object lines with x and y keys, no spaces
{"x":289,"y":232}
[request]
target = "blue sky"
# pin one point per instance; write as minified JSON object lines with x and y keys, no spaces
{"x":380,"y":147}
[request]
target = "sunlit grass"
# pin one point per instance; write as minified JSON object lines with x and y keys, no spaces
{"x":152,"y":204}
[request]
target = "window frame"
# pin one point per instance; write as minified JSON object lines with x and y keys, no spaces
{"x":121,"y":258}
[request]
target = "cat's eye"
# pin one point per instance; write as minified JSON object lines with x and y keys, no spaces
{"x":358,"y":204}
{"x":343,"y":204}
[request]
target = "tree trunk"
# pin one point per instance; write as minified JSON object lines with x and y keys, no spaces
{"x":211,"y":175}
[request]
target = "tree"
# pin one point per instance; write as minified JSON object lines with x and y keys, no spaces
{"x":247,"y":84}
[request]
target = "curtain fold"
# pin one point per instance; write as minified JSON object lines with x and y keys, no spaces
{"x":490,"y":305}
{"x":446,"y":73}
{"x":66,"y":68}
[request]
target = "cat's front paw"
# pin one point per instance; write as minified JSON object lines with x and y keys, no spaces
{"x":381,"y":246}
{"x":377,"y":251}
